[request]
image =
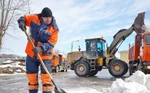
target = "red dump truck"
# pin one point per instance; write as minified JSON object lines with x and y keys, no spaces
{"x":139,"y":53}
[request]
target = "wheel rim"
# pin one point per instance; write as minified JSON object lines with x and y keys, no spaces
{"x":117,"y":67}
{"x":81,"y":68}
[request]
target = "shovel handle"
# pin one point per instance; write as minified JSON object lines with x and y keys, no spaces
{"x":46,"y":70}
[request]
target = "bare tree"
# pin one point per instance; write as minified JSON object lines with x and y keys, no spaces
{"x":10,"y":10}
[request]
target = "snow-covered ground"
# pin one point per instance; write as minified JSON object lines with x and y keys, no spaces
{"x":82,"y":90}
{"x":137,"y":83}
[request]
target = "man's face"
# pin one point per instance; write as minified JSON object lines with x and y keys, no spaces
{"x":47,"y":20}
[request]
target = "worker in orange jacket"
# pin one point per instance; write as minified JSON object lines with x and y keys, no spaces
{"x":44,"y":34}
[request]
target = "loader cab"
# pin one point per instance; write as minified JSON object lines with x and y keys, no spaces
{"x":95,"y":48}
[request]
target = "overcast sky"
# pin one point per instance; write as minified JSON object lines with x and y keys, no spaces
{"x":80,"y":19}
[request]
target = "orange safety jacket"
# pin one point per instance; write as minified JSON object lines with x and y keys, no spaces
{"x":44,"y":36}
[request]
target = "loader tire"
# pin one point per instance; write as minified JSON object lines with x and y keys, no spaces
{"x":117,"y":68}
{"x":133,"y":66}
{"x":82,"y":68}
{"x":126,"y":67}
{"x":130,"y":69}
{"x":93,"y":73}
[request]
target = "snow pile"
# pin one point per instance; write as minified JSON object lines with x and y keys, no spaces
{"x":82,"y":90}
{"x":137,"y":83}
{"x":11,"y":68}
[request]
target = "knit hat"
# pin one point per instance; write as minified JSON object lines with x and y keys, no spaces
{"x":46,"y":12}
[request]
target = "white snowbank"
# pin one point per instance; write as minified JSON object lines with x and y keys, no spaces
{"x":12,"y":68}
{"x":137,"y":83}
{"x":16,"y":64}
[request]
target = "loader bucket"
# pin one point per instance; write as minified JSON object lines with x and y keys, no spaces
{"x":139,"y":22}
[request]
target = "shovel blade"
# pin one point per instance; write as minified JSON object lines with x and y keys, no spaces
{"x":59,"y":90}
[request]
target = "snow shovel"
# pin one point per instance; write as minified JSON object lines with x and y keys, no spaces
{"x":56,"y":89}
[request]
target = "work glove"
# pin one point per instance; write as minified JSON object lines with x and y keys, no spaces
{"x":22,"y":26}
{"x":36,"y":50}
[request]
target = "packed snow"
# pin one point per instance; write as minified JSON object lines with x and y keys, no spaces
{"x":82,"y":90}
{"x":137,"y":83}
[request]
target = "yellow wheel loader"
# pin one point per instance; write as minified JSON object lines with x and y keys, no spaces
{"x":99,"y":56}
